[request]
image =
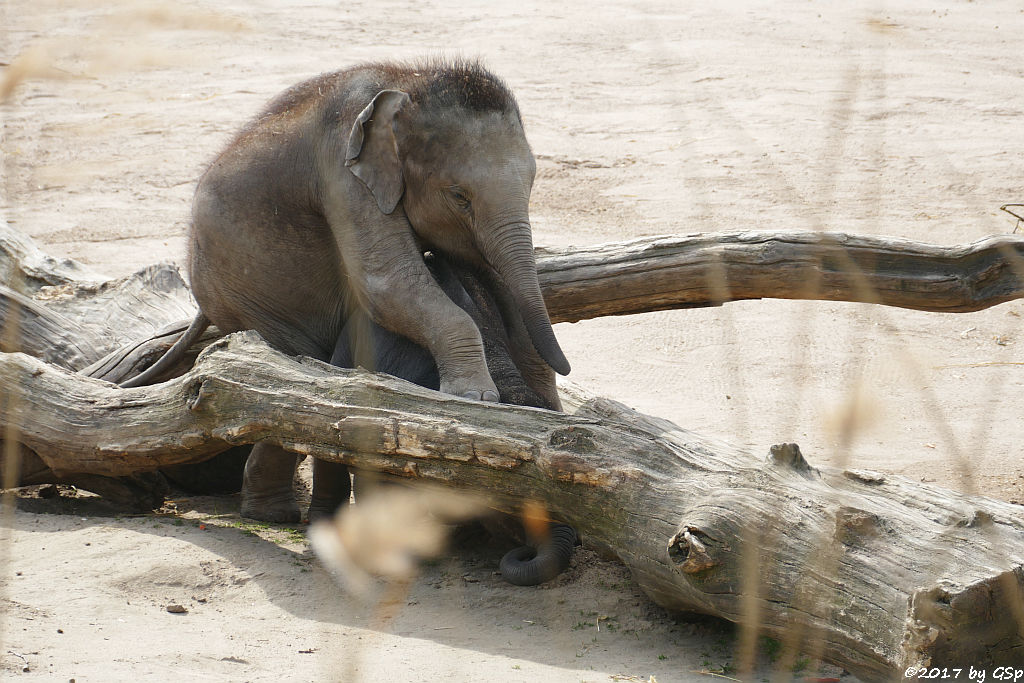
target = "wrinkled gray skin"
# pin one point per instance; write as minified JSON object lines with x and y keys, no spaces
{"x":323,"y":206}
{"x":365,"y":344}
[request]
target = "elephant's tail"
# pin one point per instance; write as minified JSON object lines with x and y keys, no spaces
{"x":173,"y":354}
{"x":526,"y":566}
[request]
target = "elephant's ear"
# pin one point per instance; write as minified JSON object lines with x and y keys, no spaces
{"x":373,"y":152}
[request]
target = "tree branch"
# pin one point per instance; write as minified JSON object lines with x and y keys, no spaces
{"x":660,"y":273}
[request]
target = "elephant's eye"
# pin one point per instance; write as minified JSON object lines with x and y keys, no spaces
{"x":459,"y":196}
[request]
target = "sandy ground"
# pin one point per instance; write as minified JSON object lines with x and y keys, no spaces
{"x":900,"y":119}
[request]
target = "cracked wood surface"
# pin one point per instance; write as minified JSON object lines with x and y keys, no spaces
{"x":75,"y":323}
{"x":660,"y":273}
{"x":887,"y":571}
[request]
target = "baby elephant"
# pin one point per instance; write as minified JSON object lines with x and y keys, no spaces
{"x":321,"y":210}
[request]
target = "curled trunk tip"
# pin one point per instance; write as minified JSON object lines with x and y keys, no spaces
{"x":526,"y":566}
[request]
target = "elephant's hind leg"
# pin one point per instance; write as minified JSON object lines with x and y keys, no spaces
{"x":268,"y":492}
{"x":268,"y":483}
{"x":332,"y":488}
{"x":366,"y":344}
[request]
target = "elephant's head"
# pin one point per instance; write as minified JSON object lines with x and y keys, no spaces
{"x":450,"y":147}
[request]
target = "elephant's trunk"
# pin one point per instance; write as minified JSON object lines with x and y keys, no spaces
{"x":525,"y":566}
{"x":510,"y":252}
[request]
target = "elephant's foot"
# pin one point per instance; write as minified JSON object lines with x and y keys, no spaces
{"x":332,"y":488}
{"x":478,"y":386}
{"x":267,"y":485}
{"x":320,"y":512}
{"x":279,"y":509}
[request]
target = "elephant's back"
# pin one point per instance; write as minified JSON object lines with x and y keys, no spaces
{"x":265,"y":260}
{"x":262,"y":255}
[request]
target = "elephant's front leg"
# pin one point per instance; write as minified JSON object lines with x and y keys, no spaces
{"x":411,"y":303}
{"x":394,"y":286}
{"x":268,"y":492}
{"x":461,"y":364}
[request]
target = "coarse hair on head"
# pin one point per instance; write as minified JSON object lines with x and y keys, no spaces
{"x":446,"y":82}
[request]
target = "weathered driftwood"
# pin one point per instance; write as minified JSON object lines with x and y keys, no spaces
{"x":886,"y":571}
{"x":661,"y":273}
{"x":658,"y":273}
{"x":75,"y":324}
{"x":26,"y":268}
{"x":78,"y":323}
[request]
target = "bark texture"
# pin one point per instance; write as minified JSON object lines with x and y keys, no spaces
{"x":887,"y":572}
{"x":883,"y":571}
{"x":659,"y":273}
{"x":77,"y":322}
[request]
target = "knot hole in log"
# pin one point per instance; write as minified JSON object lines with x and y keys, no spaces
{"x":854,"y":527}
{"x":199,"y":394}
{"x":688,"y":550}
{"x":978,"y":519}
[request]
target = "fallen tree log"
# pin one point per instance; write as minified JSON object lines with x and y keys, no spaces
{"x":643,"y":275}
{"x":886,"y":572}
{"x":916,"y":575}
{"x":660,"y":273}
{"x":26,"y":268}
{"x":75,"y":324}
